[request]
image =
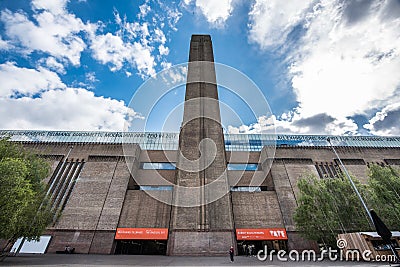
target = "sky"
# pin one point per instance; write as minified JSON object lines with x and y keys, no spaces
{"x":324,"y":66}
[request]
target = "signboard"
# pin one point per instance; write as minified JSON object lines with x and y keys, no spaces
{"x":142,"y":233}
{"x":261,"y":234}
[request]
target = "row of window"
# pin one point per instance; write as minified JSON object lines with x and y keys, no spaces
{"x":158,"y":166}
{"x":327,"y":170}
{"x":172,"y":166}
{"x":170,"y":188}
{"x":324,"y":169}
{"x":62,"y":183}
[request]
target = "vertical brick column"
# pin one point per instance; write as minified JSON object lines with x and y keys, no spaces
{"x":206,"y":229}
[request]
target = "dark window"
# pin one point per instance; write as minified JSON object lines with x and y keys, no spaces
{"x":327,"y":169}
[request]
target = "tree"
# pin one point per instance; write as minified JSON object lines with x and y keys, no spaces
{"x":23,"y":205}
{"x":383,"y":194}
{"x":327,"y":207}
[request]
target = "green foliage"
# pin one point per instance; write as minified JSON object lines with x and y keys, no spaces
{"x":327,"y":207}
{"x":384,"y":194}
{"x":24,"y":212}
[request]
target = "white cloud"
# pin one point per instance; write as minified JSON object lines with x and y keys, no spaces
{"x":159,"y":36}
{"x":346,"y":61}
{"x":53,"y":64}
{"x":342,"y":126}
{"x":54,"y":6}
{"x":91,"y":77}
{"x":172,"y":17}
{"x":164,"y":51}
{"x":143,"y":59}
{"x":216,"y":12}
{"x":110,"y":48}
{"x":66,"y":109}
{"x":53,"y":31}
{"x":271,"y":21}
{"x":166,"y":65}
{"x":133,"y":45}
{"x":15,"y":80}
{"x":144,"y":10}
{"x":174,"y":76}
{"x":264,"y":124}
{"x":4,"y":45}
{"x":61,"y":36}
{"x":385,"y":122}
{"x":295,"y":124}
{"x":38,"y":99}
{"x":344,"y":69}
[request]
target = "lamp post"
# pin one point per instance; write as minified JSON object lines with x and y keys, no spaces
{"x":352,"y":183}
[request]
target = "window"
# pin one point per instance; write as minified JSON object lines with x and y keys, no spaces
{"x":246,"y":189}
{"x":155,"y":187}
{"x":158,"y":166}
{"x":381,"y":245}
{"x":62,"y":183}
{"x":242,"y":167}
{"x":327,"y":169}
{"x":255,"y":142}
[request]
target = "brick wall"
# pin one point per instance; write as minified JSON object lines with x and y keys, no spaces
{"x":256,"y":210}
{"x":142,"y":210}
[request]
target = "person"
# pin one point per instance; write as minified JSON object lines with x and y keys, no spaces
{"x":69,"y":250}
{"x":231,"y":253}
{"x":244,"y":247}
{"x":250,"y":247}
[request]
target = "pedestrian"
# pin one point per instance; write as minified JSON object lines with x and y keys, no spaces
{"x":231,"y":253}
{"x":250,"y":248}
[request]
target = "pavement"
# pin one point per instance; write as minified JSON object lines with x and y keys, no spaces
{"x":142,"y":260}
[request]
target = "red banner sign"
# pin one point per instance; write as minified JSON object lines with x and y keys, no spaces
{"x":142,"y":233}
{"x":261,"y":234}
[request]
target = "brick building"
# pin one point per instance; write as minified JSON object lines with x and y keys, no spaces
{"x":120,"y":192}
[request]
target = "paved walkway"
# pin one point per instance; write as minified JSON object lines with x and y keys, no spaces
{"x":140,"y":260}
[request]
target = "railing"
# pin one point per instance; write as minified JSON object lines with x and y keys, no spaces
{"x":169,"y":141}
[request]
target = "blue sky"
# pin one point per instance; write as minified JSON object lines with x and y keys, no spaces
{"x":325,"y":67}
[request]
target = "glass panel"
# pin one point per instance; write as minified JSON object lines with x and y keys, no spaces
{"x":158,"y":166}
{"x":33,"y":246}
{"x":156,"y":187}
{"x":246,"y":189}
{"x":242,"y":167}
{"x":169,"y":141}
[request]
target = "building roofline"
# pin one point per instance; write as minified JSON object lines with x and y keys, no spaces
{"x":169,"y":141}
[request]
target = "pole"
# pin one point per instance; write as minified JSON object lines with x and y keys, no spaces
{"x":352,"y":183}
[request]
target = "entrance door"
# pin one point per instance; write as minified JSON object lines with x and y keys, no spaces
{"x":256,"y":245}
{"x":141,"y":247}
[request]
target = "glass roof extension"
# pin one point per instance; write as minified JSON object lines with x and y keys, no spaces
{"x":169,"y":141}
